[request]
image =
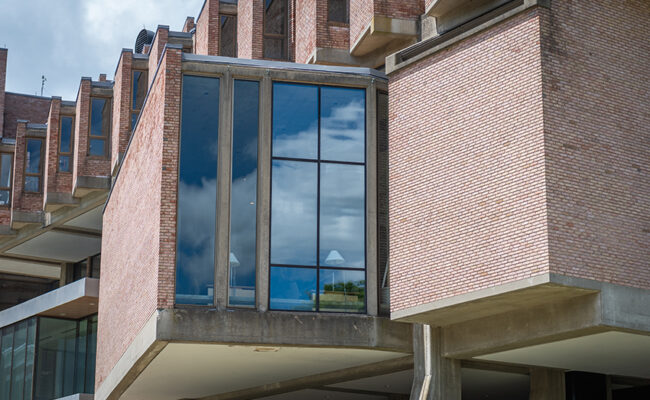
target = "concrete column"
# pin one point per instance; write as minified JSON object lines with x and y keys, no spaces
{"x":435,"y":377}
{"x":547,"y":384}
{"x":372,"y":284}
{"x":222,"y":248}
{"x":264,"y":195}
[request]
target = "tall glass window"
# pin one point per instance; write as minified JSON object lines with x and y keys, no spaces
{"x":17,"y":360}
{"x":138,"y":93}
{"x":100,"y":125}
{"x":243,"y":203}
{"x":197,"y":191}
{"x":275,"y":29}
{"x":6,"y":164}
{"x":65,"y":144}
{"x":318,"y":220}
{"x":33,"y":165}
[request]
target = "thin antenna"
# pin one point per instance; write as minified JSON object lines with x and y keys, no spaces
{"x":43,"y":80}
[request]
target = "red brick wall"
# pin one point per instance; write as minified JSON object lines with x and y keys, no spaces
{"x":19,"y":106}
{"x":21,"y":200}
{"x":156,"y":50}
{"x":362,"y":12}
{"x":189,"y":24}
{"x":249,"y":28}
{"x":3,"y":78}
{"x":467,"y":187}
{"x":52,"y":146}
{"x":139,"y":223}
{"x":596,"y":58}
{"x":122,"y":87}
{"x":207,"y":29}
{"x":306,"y":27}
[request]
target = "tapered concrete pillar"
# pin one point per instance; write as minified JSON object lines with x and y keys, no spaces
{"x":435,"y":377}
{"x":547,"y":384}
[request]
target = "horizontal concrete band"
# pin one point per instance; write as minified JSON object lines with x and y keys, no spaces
{"x":244,"y":327}
{"x":83,"y":288}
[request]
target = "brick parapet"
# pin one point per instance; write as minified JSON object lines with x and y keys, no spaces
{"x":156,"y":50}
{"x":81,"y":129}
{"x":207,"y":29}
{"x":189,"y":24}
{"x":52,"y":147}
{"x":122,"y":98}
{"x":34,"y":109}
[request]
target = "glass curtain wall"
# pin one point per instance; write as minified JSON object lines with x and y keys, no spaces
{"x":318,"y":199}
{"x":197,"y":191}
{"x":243,"y":204}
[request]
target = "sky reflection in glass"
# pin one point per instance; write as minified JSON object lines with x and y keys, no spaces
{"x":197,"y":191}
{"x":243,"y":193}
{"x":295,"y":120}
{"x":343,"y":124}
{"x":293,"y":289}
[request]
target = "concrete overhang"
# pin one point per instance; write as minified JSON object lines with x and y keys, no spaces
{"x":384,"y":31}
{"x":75,"y":300}
{"x":61,"y":245}
{"x":54,"y":201}
{"x":89,"y":184}
{"x":210,"y":349}
{"x":29,"y":268}
{"x":78,"y":396}
{"x":21,"y":219}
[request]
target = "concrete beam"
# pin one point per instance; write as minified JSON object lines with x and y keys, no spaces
{"x":327,"y":378}
{"x":249,"y":327}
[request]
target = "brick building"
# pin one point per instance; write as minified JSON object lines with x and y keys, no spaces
{"x":331,"y":199}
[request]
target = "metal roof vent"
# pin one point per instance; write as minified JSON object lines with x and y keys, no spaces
{"x":144,"y":37}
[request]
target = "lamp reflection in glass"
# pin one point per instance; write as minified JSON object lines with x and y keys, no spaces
{"x":234,"y":263}
{"x":334,"y":258}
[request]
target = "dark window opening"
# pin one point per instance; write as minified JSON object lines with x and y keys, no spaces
{"x":138,"y":93}
{"x":33,"y":165}
{"x":338,"y":11}
{"x":275,"y":30}
{"x":228,"y":37}
{"x":6,"y":164}
{"x":65,"y":143}
{"x":86,"y":268}
{"x":100,"y":126}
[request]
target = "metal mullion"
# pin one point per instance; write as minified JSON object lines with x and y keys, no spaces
{"x":318,"y":208}
{"x":294,"y":266}
{"x":343,"y":268}
{"x":294,"y":159}
{"x":34,"y":365}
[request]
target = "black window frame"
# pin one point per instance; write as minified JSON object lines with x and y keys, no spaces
{"x":284,"y":37}
{"x":106,"y":137}
{"x":70,"y":153}
{"x":318,"y":162}
{"x":39,"y":175}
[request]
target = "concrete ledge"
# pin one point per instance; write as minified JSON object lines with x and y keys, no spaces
{"x":5,"y":230}
{"x":56,"y":200}
{"x":19,"y":219}
{"x":381,"y":31}
{"x":87,"y":184}
{"x":282,"y":328}
{"x":73,"y":300}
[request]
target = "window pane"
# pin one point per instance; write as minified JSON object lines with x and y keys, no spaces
{"x":275,"y":16}
{"x":337,"y":10}
{"x":64,"y":163}
{"x":100,"y":117}
{"x":293,"y":212}
{"x":197,"y":191}
{"x":6,"y":163}
{"x":244,"y":193}
{"x":295,"y":120}
{"x":55,"y":357}
{"x":32,"y":184}
{"x":4,"y":197}
{"x":228,"y":38}
{"x":80,"y":359}
{"x":134,"y":119}
{"x":139,"y":89}
{"x":97,"y":147}
{"x":342,"y":216}
{"x":30,"y":358}
{"x":91,"y":355}
{"x":293,"y":289}
{"x":65,"y":135}
{"x":33,"y":165}
{"x":95,"y":267}
{"x":6,"y":353}
{"x":342,"y":291}
{"x":18,"y":370}
{"x":274,"y":49}
{"x":343,"y":124}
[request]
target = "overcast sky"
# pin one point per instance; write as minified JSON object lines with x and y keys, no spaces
{"x":67,"y":39}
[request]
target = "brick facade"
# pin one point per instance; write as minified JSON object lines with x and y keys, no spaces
{"x":467,"y":185}
{"x":122,"y":88}
{"x":306,"y":29}
{"x":596,"y":60}
{"x":363,"y":11}
{"x":34,"y":109}
{"x":207,"y":29}
{"x":139,"y":222}
{"x":3,"y":79}
{"x":250,"y":28}
{"x":20,"y":199}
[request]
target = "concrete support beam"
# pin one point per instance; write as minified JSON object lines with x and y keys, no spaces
{"x":264,"y":195}
{"x":547,"y":384}
{"x":435,"y":376}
